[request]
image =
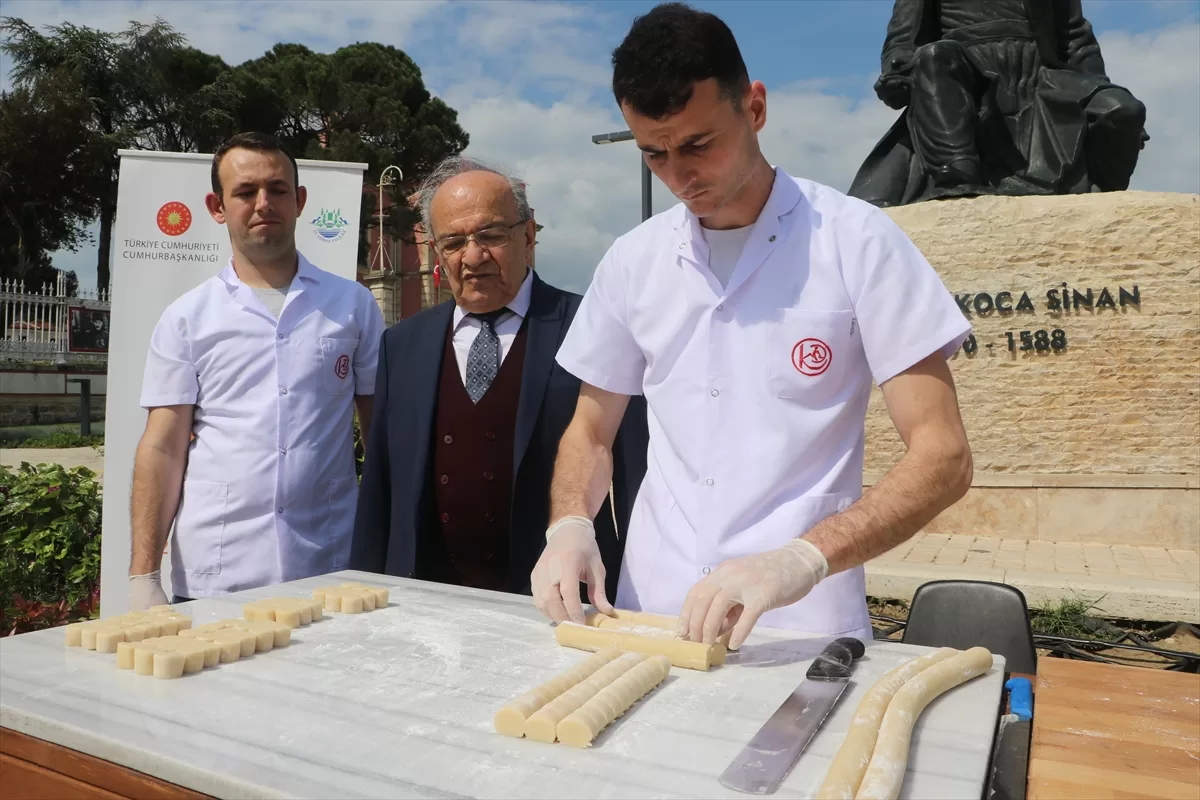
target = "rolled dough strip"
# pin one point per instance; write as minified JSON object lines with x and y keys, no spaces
{"x":125,"y":654}
{"x":192,"y":650}
{"x":510,"y":718}
{"x":625,"y":619}
{"x":885,"y":772}
{"x":380,"y":592}
{"x":107,"y":640}
{"x":344,"y":601}
{"x":368,"y":597}
{"x":143,"y":657}
{"x":584,"y":724}
{"x":259,"y":610}
{"x":73,"y":634}
{"x":689,"y":655}
{"x":846,"y":772}
{"x":305,"y":611}
{"x":169,"y":664}
{"x":542,"y":726}
{"x":282,"y":634}
{"x":233,"y":643}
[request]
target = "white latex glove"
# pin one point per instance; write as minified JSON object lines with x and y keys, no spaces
{"x":571,"y":555}
{"x":741,"y":590}
{"x":146,"y":591}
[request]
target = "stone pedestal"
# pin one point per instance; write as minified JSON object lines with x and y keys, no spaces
{"x":1080,"y":387}
{"x":386,"y":289}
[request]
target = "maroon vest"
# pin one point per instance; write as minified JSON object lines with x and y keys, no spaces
{"x":473,"y":472}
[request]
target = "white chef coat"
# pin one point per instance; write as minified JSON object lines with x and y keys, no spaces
{"x":270,"y":490}
{"x":757,"y":391}
{"x":466,"y":327}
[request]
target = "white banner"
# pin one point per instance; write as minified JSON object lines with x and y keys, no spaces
{"x":164,"y":243}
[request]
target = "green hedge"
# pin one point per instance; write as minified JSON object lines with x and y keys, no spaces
{"x":49,"y":546}
{"x":56,"y":440}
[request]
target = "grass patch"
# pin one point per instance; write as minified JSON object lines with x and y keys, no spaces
{"x":1069,"y":617}
{"x":51,"y":436}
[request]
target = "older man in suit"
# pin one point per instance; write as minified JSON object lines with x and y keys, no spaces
{"x":470,"y":406}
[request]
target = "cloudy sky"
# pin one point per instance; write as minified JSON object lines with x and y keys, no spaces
{"x":530,"y":83}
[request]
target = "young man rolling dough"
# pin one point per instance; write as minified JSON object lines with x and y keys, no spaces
{"x":753,"y":318}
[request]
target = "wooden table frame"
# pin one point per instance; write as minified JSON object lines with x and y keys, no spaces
{"x":34,"y":769}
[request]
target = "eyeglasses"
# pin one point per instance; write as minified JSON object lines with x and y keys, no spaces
{"x":493,"y":236}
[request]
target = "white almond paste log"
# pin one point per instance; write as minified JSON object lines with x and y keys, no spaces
{"x":542,"y":726}
{"x":639,"y":621}
{"x":682,"y":653}
{"x":585,"y":723}
{"x":885,"y":773}
{"x":846,"y":772}
{"x":510,"y":719}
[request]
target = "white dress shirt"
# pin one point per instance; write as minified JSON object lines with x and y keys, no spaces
{"x":269,"y":492}
{"x":466,"y":327}
{"x":757,"y":389}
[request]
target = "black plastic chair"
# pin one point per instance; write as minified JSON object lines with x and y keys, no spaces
{"x":965,"y":614}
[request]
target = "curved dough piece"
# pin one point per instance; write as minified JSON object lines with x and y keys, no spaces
{"x":846,"y":772}
{"x":885,"y":773}
{"x":689,"y":655}
{"x":586,"y":722}
{"x":543,"y":725}
{"x":510,"y":719}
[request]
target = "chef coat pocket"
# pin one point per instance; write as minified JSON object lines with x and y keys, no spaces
{"x":807,"y":352}
{"x":337,"y":364}
{"x":200,"y":526}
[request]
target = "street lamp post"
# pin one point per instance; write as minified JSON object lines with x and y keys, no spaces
{"x":626,"y":136}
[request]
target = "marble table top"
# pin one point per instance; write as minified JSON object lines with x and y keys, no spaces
{"x":398,"y":702}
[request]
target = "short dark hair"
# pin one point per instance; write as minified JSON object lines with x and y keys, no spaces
{"x":670,"y":49}
{"x":249,"y":140}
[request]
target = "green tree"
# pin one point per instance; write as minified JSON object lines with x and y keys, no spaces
{"x":145,"y":89}
{"x":364,"y":102}
{"x":49,"y":165}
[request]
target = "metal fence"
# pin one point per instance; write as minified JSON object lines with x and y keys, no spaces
{"x":48,"y":324}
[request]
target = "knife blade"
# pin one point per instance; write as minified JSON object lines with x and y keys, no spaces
{"x":772,"y":752}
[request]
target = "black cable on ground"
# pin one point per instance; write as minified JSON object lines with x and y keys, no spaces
{"x":1087,"y":649}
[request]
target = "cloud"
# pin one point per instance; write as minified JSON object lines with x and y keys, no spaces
{"x":588,"y":195}
{"x":1162,"y":69}
{"x":237,"y":30}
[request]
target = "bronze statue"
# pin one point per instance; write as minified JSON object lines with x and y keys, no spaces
{"x":1005,"y":97}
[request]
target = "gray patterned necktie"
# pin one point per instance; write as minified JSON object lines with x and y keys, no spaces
{"x":483,"y":360}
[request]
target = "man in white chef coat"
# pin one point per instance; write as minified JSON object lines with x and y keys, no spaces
{"x":265,"y":364}
{"x":753,"y":318}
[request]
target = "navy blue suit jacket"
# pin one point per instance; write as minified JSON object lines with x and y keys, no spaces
{"x":396,"y":503}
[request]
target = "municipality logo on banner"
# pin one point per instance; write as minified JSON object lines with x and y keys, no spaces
{"x":330,"y":225}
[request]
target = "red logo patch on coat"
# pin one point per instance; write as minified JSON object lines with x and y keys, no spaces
{"x":342,"y":367}
{"x":811,"y":356}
